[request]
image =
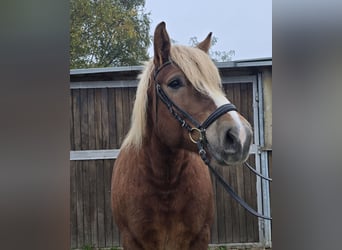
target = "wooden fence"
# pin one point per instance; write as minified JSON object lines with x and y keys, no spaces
{"x":101,"y":102}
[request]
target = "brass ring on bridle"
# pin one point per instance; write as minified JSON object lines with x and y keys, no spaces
{"x":195,"y":135}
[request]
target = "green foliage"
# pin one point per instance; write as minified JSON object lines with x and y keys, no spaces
{"x":87,"y":247}
{"x":108,"y":33}
{"x":217,"y":56}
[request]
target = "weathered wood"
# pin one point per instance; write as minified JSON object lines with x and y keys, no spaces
{"x":79,"y":204}
{"x":100,"y":102}
{"x":220,"y":209}
{"x":105,"y":122}
{"x":85,"y":169}
{"x":108,"y":218}
{"x":112,"y":124}
{"x":73,"y":205}
{"x":76,"y":116}
{"x":119,"y":116}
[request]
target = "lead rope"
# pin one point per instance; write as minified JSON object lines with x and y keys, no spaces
{"x":226,"y":186}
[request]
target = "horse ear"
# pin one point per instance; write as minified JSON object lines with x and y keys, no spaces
{"x":205,"y":44}
{"x":161,"y":45}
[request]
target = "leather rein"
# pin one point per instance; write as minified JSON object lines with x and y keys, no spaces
{"x":197,"y":135}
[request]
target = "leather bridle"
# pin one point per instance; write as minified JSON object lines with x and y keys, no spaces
{"x":197,"y":133}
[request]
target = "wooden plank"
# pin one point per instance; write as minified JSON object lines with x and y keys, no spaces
{"x":105,"y":119}
{"x":73,"y":205}
{"x":76,"y":175}
{"x":243,"y":172}
{"x":127,"y":104}
{"x":79,"y":204}
{"x":234,"y":207}
{"x":71,"y":122}
{"x":92,"y":120}
{"x":227,"y":207}
{"x":76,"y":115}
{"x":252,"y":184}
{"x":214,"y":231}
{"x":98,"y":118}
{"x":94,"y":117}
{"x":99,"y":203}
{"x":240,"y":100}
{"x":116,"y":233}
{"x":220,"y":209}
{"x":85,"y":168}
{"x":112,"y":110}
{"x":119,"y":115}
{"x":92,"y":202}
{"x":84,"y":120}
{"x":108,"y":218}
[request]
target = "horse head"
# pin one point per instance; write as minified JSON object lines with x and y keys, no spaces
{"x":185,"y":90}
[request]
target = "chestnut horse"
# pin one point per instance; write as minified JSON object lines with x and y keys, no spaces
{"x":162,"y":195}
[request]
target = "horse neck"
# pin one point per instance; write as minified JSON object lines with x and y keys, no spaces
{"x":166,"y":164}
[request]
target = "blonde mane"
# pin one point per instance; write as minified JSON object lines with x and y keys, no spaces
{"x":197,"y":67}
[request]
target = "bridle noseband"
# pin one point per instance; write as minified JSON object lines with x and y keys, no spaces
{"x":197,"y":133}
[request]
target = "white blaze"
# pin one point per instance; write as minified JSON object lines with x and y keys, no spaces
{"x":219,"y":100}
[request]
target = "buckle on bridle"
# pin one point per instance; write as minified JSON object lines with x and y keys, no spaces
{"x":196,"y":135}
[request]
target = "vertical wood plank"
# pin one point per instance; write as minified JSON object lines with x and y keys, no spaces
{"x":235,"y":207}
{"x":80,"y":205}
{"x":71,"y":121}
{"x":116,"y":233}
{"x":241,"y":104}
{"x":76,"y":111}
{"x":84,"y":167}
{"x":73,"y":205}
{"x":227,"y":202}
{"x":214,"y":230}
{"x":94,"y":117}
{"x":220,"y":209}
{"x":74,"y":125}
{"x":112,"y":110}
{"x":126,"y":110}
{"x":119,"y":116}
{"x":100,"y":120}
{"x":108,"y":218}
{"x":252,"y":185}
{"x":104,"y":119}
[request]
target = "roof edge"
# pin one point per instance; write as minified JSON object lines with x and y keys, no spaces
{"x":256,"y":62}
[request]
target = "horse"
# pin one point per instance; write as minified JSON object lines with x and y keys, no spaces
{"x":161,"y":192}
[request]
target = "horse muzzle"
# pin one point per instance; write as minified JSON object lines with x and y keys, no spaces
{"x":229,"y":143}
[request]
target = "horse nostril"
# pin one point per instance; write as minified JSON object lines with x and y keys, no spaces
{"x":229,"y":138}
{"x":231,"y":141}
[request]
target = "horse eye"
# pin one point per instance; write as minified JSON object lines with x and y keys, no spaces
{"x":175,"y":84}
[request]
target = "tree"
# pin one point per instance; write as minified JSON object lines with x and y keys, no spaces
{"x":108,"y":33}
{"x":217,"y":56}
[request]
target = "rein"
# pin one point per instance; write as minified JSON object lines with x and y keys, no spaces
{"x":197,"y":135}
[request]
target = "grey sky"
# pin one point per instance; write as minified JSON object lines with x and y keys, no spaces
{"x":241,"y":25}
